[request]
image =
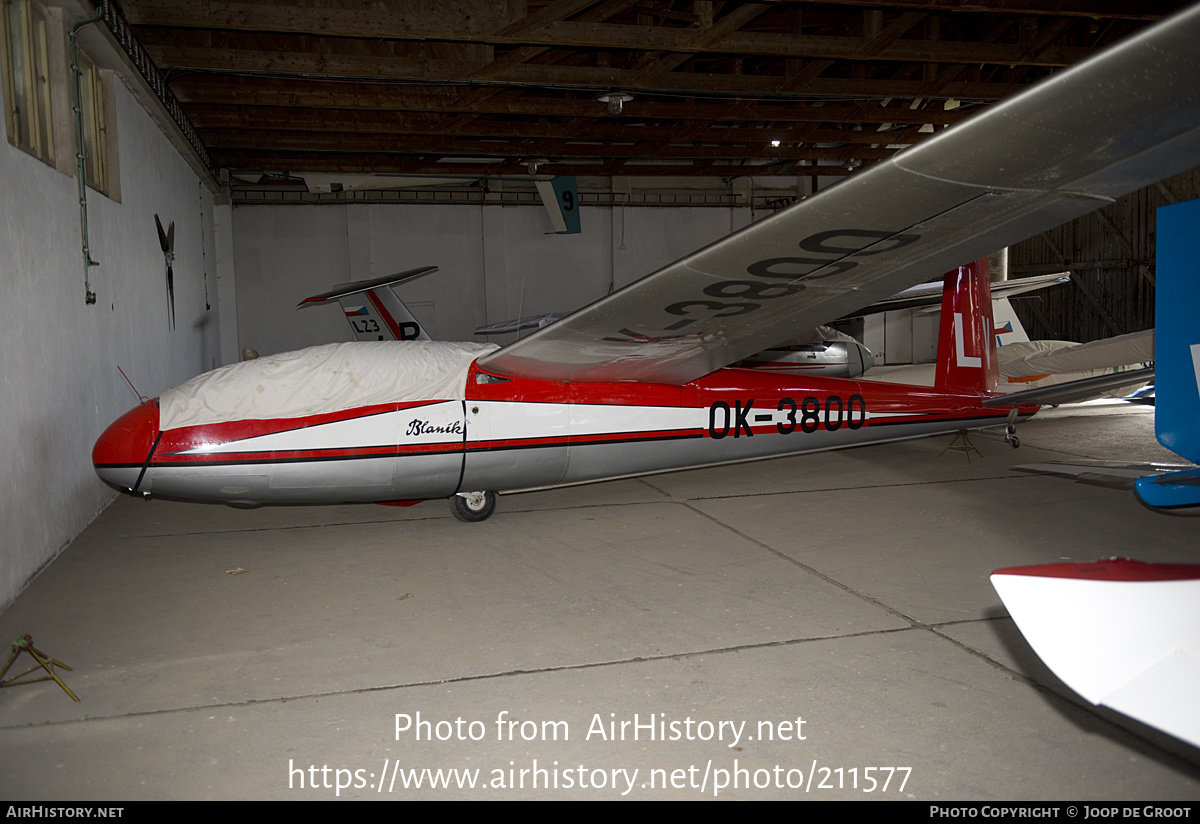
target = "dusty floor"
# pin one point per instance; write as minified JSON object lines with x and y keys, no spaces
{"x":823,"y":621}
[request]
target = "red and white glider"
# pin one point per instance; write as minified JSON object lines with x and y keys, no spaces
{"x":634,"y":383}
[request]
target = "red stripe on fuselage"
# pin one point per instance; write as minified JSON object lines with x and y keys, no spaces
{"x":304,"y":455}
{"x":739,"y":389}
{"x":185,"y":438}
{"x":583,"y":440}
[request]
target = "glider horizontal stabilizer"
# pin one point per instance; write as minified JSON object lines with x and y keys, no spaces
{"x":347,"y":289}
{"x":1110,"y":474}
{"x":1074,"y":391}
{"x":930,"y":294}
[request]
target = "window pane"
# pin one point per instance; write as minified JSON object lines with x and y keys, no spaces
{"x":17,"y":72}
{"x":41,"y":95}
{"x":91,"y":104}
{"x":26,"y":85}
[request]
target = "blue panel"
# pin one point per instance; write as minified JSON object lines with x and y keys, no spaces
{"x":567,"y":194}
{"x":1177,"y":333}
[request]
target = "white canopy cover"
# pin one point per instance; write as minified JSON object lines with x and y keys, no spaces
{"x":322,"y":379}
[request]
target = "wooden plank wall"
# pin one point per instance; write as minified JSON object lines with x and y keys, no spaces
{"x":1110,"y":254}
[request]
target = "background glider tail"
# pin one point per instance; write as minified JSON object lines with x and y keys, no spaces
{"x":967,"y":343}
{"x":1008,"y":326}
{"x":373,"y":310}
{"x":378,"y":314}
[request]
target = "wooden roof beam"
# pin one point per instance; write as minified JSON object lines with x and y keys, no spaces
{"x":554,"y":147}
{"x":1121,"y":9}
{"x":220,"y":117}
{"x":299,"y":162}
{"x":516,"y":72}
{"x":443,"y":99}
{"x":576,"y":34}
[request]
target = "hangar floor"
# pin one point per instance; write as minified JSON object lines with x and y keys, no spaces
{"x":847,"y":589}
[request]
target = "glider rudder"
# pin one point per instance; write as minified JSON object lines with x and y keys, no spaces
{"x":966,"y":341}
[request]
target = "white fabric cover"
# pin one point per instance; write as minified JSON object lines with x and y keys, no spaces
{"x":1019,"y":360}
{"x":322,"y":379}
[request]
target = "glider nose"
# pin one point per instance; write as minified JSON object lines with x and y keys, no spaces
{"x":123,"y":451}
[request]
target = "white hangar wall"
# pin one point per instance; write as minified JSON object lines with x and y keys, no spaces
{"x":59,"y":357}
{"x":496,"y":262}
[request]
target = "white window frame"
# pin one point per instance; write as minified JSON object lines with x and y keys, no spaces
{"x":39,"y":115}
{"x":26,"y":79}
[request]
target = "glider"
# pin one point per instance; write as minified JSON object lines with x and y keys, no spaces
{"x":634,"y":383}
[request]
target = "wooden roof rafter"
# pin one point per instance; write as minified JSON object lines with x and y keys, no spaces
{"x":342,"y":83}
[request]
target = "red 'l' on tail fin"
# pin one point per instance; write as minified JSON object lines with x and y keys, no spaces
{"x":967,"y":340}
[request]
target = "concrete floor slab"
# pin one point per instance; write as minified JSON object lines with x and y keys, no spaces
{"x":934,"y":721}
{"x":250,"y":615}
{"x":1001,"y":642}
{"x":926,"y":550}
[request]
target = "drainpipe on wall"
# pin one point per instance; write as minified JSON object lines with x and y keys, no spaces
{"x":89,"y":296}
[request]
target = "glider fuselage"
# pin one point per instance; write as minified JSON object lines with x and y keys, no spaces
{"x":518,"y":434}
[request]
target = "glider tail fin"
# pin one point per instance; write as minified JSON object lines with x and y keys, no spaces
{"x":373,"y":310}
{"x":1009,"y":328}
{"x":378,"y":314}
{"x":967,"y":341}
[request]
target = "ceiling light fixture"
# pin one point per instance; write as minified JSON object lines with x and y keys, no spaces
{"x":616,"y":100}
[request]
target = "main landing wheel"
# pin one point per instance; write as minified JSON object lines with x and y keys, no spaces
{"x":1010,"y":437}
{"x":473,"y":507}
